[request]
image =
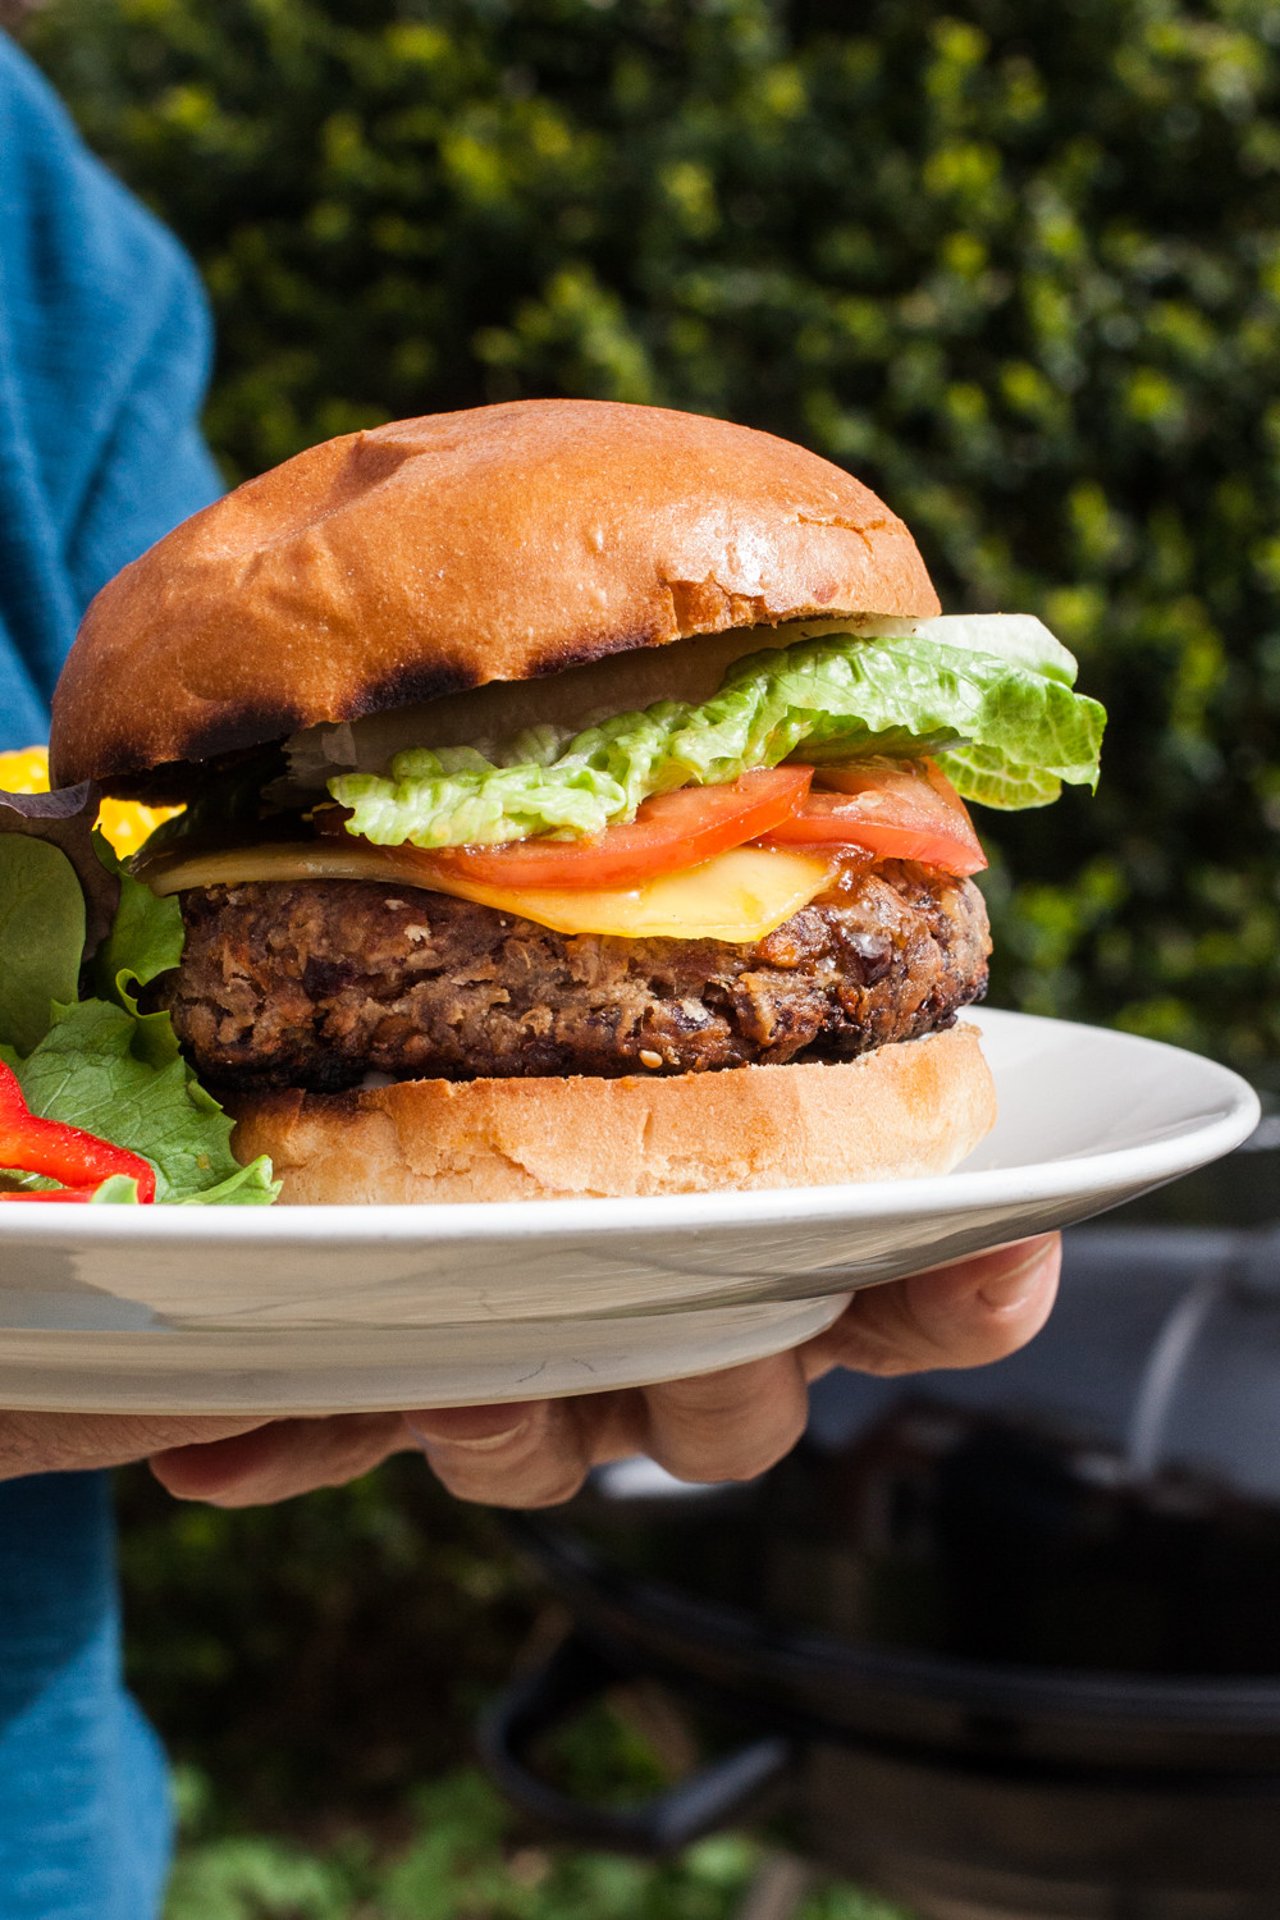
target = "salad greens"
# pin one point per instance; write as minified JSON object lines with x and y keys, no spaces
{"x":65,"y":820}
{"x":41,"y":936}
{"x":88,"y":1071}
{"x":99,"y":1062}
{"x":118,"y":1190}
{"x":992,"y":697}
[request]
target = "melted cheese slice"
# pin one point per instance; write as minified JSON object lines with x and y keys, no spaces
{"x":738,"y":896}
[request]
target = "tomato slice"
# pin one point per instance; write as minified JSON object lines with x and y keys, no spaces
{"x":899,"y":810}
{"x":669,"y":832}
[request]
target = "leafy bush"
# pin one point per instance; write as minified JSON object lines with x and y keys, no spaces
{"x":311,"y":1666}
{"x":1020,"y":267}
{"x":322,"y":1653}
{"x":458,"y":1864}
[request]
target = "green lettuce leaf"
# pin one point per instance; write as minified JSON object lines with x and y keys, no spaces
{"x":65,"y":820}
{"x":1019,"y":639}
{"x":479,"y":805}
{"x":102,"y":1063}
{"x":117,"y":1191}
{"x":86,"y":1072}
{"x":1007,"y":723}
{"x":987,"y":775}
{"x":42,"y":934}
{"x":145,"y":940}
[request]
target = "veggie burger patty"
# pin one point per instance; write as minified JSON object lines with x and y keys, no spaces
{"x":315,"y":984}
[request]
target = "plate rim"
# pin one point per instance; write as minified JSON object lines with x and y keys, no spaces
{"x":1146,"y":1164}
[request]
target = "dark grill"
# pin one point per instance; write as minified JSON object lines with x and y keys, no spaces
{"x":1000,"y":1645}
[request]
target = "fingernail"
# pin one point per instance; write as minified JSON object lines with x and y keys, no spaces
{"x":1009,"y":1270}
{"x":466,"y":1442}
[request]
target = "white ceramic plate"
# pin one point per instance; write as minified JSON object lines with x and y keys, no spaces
{"x":324,"y":1309}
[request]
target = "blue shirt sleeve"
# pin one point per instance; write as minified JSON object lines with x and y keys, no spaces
{"x":104,"y":348}
{"x":84,"y":1813}
{"x":104,"y":354}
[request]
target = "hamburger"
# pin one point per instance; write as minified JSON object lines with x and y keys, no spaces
{"x":573,"y":804}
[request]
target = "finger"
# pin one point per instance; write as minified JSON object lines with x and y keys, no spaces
{"x":963,"y":1315}
{"x":528,"y":1454}
{"x":727,"y":1426}
{"x":278,"y":1461}
{"x":74,"y":1442}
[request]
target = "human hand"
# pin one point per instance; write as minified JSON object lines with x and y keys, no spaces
{"x":720,"y":1426}
{"x":733,"y":1425}
{"x":243,"y":1461}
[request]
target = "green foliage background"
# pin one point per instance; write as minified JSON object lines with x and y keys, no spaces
{"x":316,"y":1670}
{"x":1018,"y":266}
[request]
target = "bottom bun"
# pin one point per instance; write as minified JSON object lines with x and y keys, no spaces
{"x":915,"y":1107}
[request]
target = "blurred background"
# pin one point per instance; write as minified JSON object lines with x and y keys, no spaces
{"x":1019,"y":268}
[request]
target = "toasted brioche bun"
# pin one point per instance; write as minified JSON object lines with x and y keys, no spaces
{"x":449,"y":552}
{"x":917,"y":1107}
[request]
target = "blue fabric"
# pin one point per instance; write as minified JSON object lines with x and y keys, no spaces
{"x":84,"y":1819}
{"x":104,"y":346}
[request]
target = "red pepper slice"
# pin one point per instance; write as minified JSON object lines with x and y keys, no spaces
{"x":80,"y":1160}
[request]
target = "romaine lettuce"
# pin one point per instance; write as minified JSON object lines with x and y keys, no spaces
{"x":992,"y":696}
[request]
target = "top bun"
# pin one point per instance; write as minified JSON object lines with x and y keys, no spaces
{"x":438,"y":554}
